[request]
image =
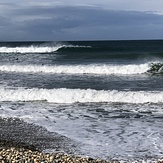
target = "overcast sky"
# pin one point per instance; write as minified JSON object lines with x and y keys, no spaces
{"x":50,"y":20}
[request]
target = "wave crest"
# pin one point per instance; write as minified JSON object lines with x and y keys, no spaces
{"x":30,"y":49}
{"x":41,"y":48}
{"x":64,"y":95}
{"x":103,"y":69}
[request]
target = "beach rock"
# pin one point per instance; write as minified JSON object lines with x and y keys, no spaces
{"x":22,"y":155}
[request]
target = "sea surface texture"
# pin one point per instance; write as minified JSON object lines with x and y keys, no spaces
{"x":106,"y":95}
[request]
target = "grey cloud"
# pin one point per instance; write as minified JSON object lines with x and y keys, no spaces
{"x":79,"y":23}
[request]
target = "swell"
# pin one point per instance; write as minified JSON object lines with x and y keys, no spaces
{"x":89,"y":49}
{"x":129,"y":50}
{"x":63,"y":95}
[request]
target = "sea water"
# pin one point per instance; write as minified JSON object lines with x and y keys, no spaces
{"x":106,"y":95}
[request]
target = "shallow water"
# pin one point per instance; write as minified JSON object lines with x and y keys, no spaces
{"x":122,"y":131}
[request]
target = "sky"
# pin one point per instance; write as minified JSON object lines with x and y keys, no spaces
{"x":66,"y":20}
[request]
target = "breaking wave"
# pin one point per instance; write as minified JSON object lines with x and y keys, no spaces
{"x":30,"y":49}
{"x":43,"y":48}
{"x":77,"y":69}
{"x":64,"y":95}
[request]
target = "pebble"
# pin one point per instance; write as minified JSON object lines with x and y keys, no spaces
{"x":22,"y":155}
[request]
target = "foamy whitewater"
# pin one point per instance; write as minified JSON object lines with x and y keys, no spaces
{"x":78,"y":69}
{"x":106,"y":95}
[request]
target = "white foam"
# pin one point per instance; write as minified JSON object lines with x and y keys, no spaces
{"x":64,"y":95}
{"x":31,"y":49}
{"x":78,"y":69}
{"x":44,"y":48}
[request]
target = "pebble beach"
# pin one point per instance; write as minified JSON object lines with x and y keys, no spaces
{"x":22,"y":155}
{"x":21,"y":142}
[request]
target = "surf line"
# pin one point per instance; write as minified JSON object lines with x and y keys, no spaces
{"x":77,"y":69}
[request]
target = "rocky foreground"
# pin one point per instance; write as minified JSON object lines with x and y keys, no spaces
{"x":22,"y":155}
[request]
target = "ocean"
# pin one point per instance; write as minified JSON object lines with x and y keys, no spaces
{"x":106,"y":95}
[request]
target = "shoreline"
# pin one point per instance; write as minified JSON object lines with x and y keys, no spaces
{"x":21,"y":142}
{"x":24,"y":142}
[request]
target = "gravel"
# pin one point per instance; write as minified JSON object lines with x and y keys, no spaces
{"x":21,"y":142}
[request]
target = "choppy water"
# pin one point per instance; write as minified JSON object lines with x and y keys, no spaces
{"x":107,"y":95}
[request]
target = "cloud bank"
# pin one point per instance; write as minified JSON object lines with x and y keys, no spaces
{"x":58,"y":22}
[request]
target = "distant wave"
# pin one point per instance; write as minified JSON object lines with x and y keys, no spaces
{"x":30,"y":49}
{"x":64,"y":95}
{"x":42,"y":48}
{"x":77,"y":69}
